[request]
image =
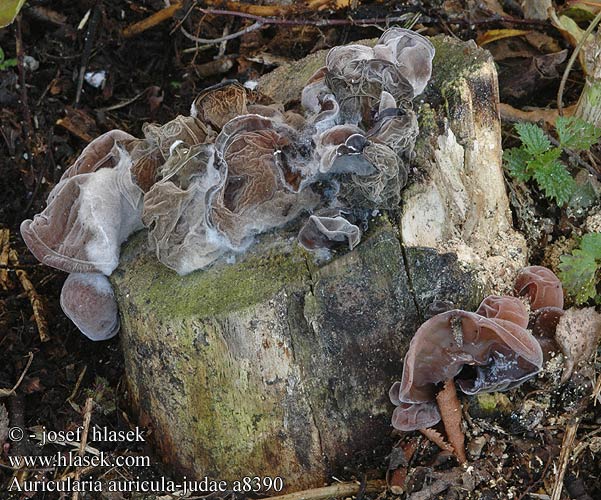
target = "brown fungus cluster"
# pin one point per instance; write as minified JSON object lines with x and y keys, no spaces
{"x":503,"y":342}
{"x":204,"y":185}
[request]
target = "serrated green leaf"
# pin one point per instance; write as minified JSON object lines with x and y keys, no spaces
{"x":591,"y":245}
{"x":575,"y":133}
{"x":552,"y":176}
{"x":533,"y":138}
{"x":516,"y":161}
{"x":9,"y":10}
{"x":578,"y":275}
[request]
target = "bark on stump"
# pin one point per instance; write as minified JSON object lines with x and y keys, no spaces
{"x":276,"y":366}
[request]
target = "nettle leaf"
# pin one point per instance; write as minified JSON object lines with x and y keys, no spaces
{"x":552,"y":176}
{"x":533,"y":138}
{"x":576,"y":133}
{"x":591,"y":244}
{"x":516,"y":161}
{"x":9,"y":10}
{"x":578,"y":274}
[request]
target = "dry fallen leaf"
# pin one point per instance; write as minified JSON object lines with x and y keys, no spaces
{"x":494,"y":35}
{"x":578,"y":333}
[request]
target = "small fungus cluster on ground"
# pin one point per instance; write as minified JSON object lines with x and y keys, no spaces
{"x":503,"y":342}
{"x":206,"y":184}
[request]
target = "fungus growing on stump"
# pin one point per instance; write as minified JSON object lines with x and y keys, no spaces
{"x":494,"y":340}
{"x":205,"y":185}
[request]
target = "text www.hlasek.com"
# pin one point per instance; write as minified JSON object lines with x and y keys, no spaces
{"x":73,"y":459}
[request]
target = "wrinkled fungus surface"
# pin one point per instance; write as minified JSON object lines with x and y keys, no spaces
{"x":88,"y":300}
{"x":495,"y":340}
{"x":205,"y":185}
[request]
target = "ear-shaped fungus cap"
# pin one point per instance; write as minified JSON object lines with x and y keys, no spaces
{"x":176,"y":210}
{"x":150,"y":153}
{"x":88,"y":300}
{"x":87,"y":218}
{"x":102,"y":152}
{"x":541,"y":285}
{"x":326,"y":228}
{"x":504,"y":353}
{"x":412,"y":52}
{"x":264,"y":172}
{"x":506,"y":308}
{"x":220,"y":103}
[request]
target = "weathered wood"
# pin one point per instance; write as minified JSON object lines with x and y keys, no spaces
{"x":277,"y":366}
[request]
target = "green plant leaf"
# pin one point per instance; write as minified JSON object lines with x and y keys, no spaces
{"x":552,"y":176}
{"x":9,"y":10}
{"x":516,"y":161}
{"x":575,"y":133}
{"x":578,"y":274}
{"x":533,"y":138}
{"x":591,"y":244}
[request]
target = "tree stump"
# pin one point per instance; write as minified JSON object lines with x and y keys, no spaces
{"x":277,"y":366}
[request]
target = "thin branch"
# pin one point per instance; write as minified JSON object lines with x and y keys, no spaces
{"x":581,"y":43}
{"x":305,"y":22}
{"x":10,"y":392}
{"x":253,"y":27}
{"x":340,"y":490}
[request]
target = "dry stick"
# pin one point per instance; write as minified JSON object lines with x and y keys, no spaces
{"x":87,"y":48}
{"x":152,"y":21}
{"x":77,"y":384}
{"x":253,"y":27}
{"x":304,"y":22}
{"x":4,"y":250}
{"x":339,"y":490}
{"x":9,"y":392}
{"x":84,"y":439}
{"x":564,"y":457}
{"x":34,"y":298}
{"x":581,"y":43}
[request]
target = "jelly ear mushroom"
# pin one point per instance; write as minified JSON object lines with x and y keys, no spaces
{"x":506,"y":308}
{"x":327,"y":228}
{"x":87,"y":218}
{"x":541,"y":286}
{"x":220,"y":103}
{"x":504,"y":354}
{"x":88,"y":300}
{"x":412,"y":52}
{"x":100,"y":153}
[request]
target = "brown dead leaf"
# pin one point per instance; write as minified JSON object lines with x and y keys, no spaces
{"x":494,"y":35}
{"x":542,"y":42}
{"x":578,"y":333}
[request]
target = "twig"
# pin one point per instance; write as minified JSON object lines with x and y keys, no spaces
{"x":34,"y":298}
{"x":253,"y":27}
{"x":581,"y":43}
{"x":340,"y":490}
{"x":564,"y":457}
{"x":9,"y":392}
{"x":77,"y":384}
{"x":24,"y":100}
{"x":304,"y":22}
{"x":84,"y":439}
{"x":4,"y":251}
{"x":152,"y":21}
{"x":87,"y":48}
